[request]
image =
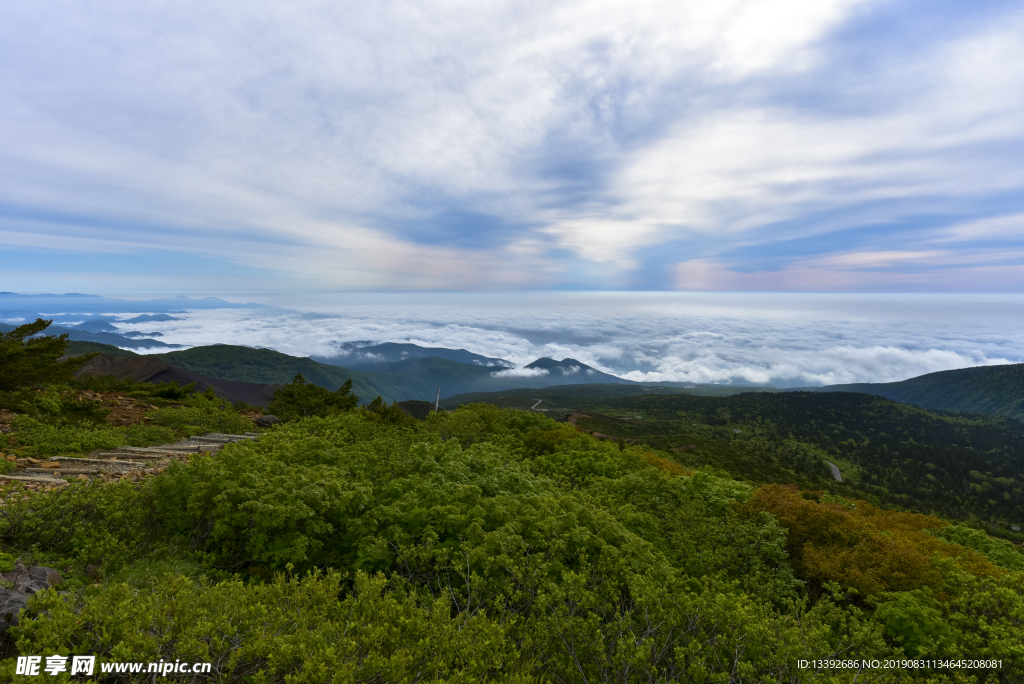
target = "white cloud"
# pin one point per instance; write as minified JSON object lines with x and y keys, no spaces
{"x":786,"y":340}
{"x":520,"y":373}
{"x":302,"y":151}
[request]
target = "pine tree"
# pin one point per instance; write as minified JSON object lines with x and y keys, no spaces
{"x":27,"y":360}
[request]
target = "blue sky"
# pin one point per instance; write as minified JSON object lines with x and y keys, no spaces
{"x":779,"y":145}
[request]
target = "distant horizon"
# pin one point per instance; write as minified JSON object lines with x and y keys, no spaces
{"x":783,"y":340}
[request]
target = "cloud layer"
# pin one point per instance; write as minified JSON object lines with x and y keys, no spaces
{"x":783,"y":340}
{"x":777,"y":145}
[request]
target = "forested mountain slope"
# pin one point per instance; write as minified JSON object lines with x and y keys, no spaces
{"x":417,"y":378}
{"x":950,"y":464}
{"x":267,"y":366}
{"x":998,"y":390}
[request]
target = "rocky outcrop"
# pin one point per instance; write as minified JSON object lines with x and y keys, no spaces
{"x":27,"y":580}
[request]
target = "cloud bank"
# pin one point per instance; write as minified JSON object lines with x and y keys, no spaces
{"x":782,"y":340}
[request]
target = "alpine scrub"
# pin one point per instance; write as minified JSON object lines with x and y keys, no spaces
{"x":498,"y":545}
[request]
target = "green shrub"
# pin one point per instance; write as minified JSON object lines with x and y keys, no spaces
{"x":46,"y":439}
{"x":296,"y":630}
{"x":1001,"y":552}
{"x":301,"y":399}
{"x":914,"y":619}
{"x":90,"y":521}
{"x":201,"y":414}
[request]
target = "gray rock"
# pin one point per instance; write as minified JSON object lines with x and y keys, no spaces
{"x":10,"y":603}
{"x":31,"y":586}
{"x":38,"y":572}
{"x":267,"y":421}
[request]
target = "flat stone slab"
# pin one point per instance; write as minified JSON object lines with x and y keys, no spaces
{"x":33,"y":479}
{"x":61,"y":472}
{"x":103,"y":464}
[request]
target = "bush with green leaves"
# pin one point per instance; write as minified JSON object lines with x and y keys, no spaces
{"x":1003,"y":553}
{"x":203,"y":413}
{"x":54,"y":404}
{"x":54,"y":439}
{"x":86,"y":521}
{"x":481,"y":545}
{"x":301,"y":399}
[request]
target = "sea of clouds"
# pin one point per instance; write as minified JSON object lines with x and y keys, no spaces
{"x":785,"y":340}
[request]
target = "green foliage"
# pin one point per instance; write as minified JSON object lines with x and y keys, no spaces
{"x":54,"y":403}
{"x":202,"y":413}
{"x":295,"y":630}
{"x":87,"y":521}
{"x":889,"y":453}
{"x":488,"y":545}
{"x":27,"y":360}
{"x":1001,"y":552}
{"x":914,"y":619}
{"x":300,"y":399}
{"x":48,"y":439}
{"x":394,"y":414}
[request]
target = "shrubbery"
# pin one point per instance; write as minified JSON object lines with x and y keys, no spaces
{"x":202,"y":413}
{"x":489,"y":545}
{"x":301,"y":399}
{"x":49,"y":439}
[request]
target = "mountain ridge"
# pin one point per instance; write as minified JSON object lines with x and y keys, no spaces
{"x":995,"y":390}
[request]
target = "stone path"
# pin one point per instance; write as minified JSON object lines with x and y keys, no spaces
{"x":123,"y":463}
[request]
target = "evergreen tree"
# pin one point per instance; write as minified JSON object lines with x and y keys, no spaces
{"x":27,"y":360}
{"x":301,"y":399}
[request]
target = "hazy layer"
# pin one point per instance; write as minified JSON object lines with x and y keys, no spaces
{"x":784,"y":340}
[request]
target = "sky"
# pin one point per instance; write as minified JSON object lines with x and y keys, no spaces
{"x":778,"y":145}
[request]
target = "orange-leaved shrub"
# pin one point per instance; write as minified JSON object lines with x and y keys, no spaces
{"x":861,"y":546}
{"x":665,"y":464}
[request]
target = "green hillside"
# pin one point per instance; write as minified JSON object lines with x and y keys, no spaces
{"x":497,"y":546}
{"x":954,"y":465}
{"x":996,"y":390}
{"x":364,"y":545}
{"x":411,"y":379}
{"x":76,"y":347}
{"x":246,"y":364}
{"x":571,"y":396}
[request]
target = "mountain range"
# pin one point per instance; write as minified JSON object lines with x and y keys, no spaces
{"x":415,"y":377}
{"x":996,"y":390}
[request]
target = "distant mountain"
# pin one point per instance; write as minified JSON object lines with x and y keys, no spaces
{"x":246,"y":364}
{"x":573,"y":372}
{"x":375,"y":357}
{"x":413,"y":378}
{"x":996,"y":390}
{"x":570,"y":396}
{"x":148,"y":318}
{"x":108,"y":338}
{"x":40,"y":304}
{"x":96,"y":326}
{"x":76,"y":347}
